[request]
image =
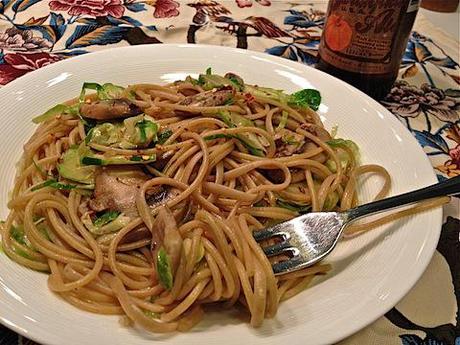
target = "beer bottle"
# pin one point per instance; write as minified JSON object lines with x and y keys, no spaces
{"x":440,"y":5}
{"x":363,"y":42}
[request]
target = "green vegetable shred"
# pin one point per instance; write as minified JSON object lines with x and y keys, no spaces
{"x":164,"y":269}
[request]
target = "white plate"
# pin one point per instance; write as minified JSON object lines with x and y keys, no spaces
{"x":371,"y":273}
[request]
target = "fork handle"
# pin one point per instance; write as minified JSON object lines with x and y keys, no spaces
{"x":445,"y":188}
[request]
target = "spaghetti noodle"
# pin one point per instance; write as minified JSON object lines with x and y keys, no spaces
{"x":140,"y":201}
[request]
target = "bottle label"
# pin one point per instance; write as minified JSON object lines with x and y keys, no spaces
{"x":359,"y":35}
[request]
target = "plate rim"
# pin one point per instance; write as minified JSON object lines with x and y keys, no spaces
{"x":430,"y":247}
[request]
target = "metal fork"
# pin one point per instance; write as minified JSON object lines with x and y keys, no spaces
{"x":311,"y":237}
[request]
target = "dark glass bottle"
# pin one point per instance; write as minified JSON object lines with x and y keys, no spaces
{"x":440,"y":5}
{"x":364,"y":40}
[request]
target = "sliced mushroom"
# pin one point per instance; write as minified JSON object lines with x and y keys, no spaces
{"x":188,"y":92}
{"x":322,"y":134}
{"x":138,"y":234}
{"x":109,"y":109}
{"x":186,"y":87}
{"x":116,"y":189}
{"x":277,"y":176}
{"x":288,"y":142}
{"x":162,"y":160}
{"x":273,"y":175}
{"x":297,"y":175}
{"x":212,"y":98}
{"x":160,"y":195}
{"x":165,"y":233}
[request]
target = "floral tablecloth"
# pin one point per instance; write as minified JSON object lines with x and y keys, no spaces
{"x":426,"y":98}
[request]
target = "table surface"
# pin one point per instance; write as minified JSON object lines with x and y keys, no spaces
{"x":426,"y":98}
{"x":448,"y":22}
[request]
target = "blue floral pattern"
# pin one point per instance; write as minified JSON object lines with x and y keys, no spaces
{"x":420,"y":52}
{"x":306,"y":28}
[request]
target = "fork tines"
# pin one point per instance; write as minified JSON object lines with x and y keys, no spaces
{"x":281,"y":248}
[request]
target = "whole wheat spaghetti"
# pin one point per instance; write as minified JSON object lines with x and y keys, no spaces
{"x":140,"y":201}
